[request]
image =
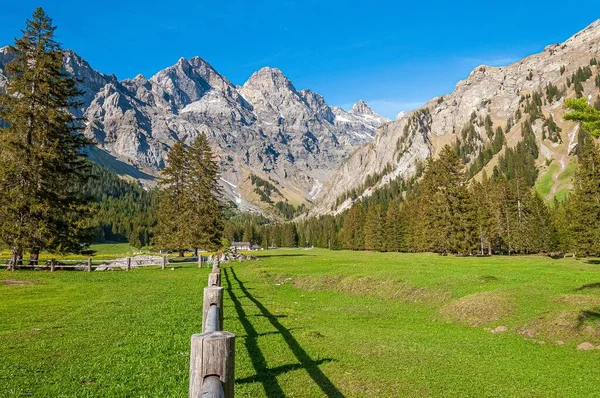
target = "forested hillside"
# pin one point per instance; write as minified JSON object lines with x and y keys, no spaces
{"x":123,"y":210}
{"x":443,"y":209}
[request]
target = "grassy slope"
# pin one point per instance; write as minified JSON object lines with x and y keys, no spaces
{"x":308,"y":322}
{"x":544,"y":183}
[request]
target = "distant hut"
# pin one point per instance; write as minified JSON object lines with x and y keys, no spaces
{"x":241,"y":246}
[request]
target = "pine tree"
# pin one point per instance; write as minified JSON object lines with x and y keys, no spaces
{"x":482,"y":196}
{"x":170,"y":232}
{"x":580,"y":111}
{"x":373,"y":231}
{"x":449,"y":215}
{"x":395,"y":228}
{"x":205,"y":219}
{"x":353,"y":237}
{"x":584,"y":203}
{"x":42,"y":167}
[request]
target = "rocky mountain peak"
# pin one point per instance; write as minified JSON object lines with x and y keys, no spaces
{"x":269,"y":79}
{"x":363,"y":108}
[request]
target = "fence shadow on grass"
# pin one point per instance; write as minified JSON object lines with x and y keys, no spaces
{"x":263,"y":374}
{"x":306,"y":362}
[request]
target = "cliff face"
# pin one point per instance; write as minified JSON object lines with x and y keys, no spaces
{"x":498,"y":92}
{"x":266,"y":127}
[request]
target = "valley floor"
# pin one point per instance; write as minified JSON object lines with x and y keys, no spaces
{"x":312,"y":323}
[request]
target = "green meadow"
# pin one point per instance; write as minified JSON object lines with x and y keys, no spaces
{"x":311,"y":323}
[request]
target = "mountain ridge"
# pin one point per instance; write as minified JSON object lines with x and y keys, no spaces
{"x":265,"y":128}
{"x":500,"y":93}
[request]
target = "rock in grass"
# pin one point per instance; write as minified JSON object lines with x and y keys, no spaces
{"x":500,"y":329}
{"x":585,"y":346}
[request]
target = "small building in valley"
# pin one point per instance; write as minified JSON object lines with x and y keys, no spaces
{"x":241,"y":245}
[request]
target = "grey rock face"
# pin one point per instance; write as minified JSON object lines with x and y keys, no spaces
{"x":493,"y":91}
{"x":266,"y":127}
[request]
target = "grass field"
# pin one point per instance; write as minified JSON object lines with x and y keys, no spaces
{"x":311,"y":323}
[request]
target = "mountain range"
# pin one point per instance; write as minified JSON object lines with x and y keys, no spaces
{"x":276,"y":143}
{"x":265,"y":133}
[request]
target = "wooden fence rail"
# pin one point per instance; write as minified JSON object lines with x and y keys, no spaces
{"x":212,"y":353}
{"x":91,"y":263}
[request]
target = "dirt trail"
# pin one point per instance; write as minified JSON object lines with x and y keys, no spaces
{"x":564,"y":161}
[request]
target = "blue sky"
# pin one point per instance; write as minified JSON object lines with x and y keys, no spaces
{"x":393,"y":54}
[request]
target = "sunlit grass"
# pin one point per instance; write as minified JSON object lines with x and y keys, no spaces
{"x":311,"y":323}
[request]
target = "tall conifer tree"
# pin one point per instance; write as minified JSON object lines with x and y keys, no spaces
{"x":42,"y":167}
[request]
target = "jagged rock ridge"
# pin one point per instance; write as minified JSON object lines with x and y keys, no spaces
{"x":266,"y":127}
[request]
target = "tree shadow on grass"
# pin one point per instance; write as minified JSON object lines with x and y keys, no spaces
{"x":595,"y":261}
{"x":306,"y":362}
{"x":588,"y":316}
{"x":589,"y":286}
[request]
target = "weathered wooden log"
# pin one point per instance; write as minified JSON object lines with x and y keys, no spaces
{"x":164,"y":262}
{"x":214,"y":279}
{"x":128,"y":263}
{"x":52,"y":264}
{"x":200,"y":261}
{"x":89,"y":265}
{"x":212,"y":295}
{"x":212,"y":354}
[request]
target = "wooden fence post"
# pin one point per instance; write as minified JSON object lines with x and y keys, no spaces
{"x":212,"y":354}
{"x":164,"y":262}
{"x":52,"y":264}
{"x":89,"y":265}
{"x":212,"y":295}
{"x":199,"y":260}
{"x":214,"y":279}
{"x":128,"y":263}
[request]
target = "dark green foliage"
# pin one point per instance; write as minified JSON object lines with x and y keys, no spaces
{"x":189,"y":213}
{"x":580,"y":111}
{"x":552,"y":93}
{"x":563,"y":69}
{"x":593,"y":62}
{"x":245,"y":227}
{"x":551,"y":131}
{"x":42,"y":165}
{"x":578,"y":78}
{"x":289,"y":211}
{"x":124,"y":210}
{"x":264,"y":189}
{"x":584,"y":206}
{"x":520,"y":160}
{"x":370,"y":181}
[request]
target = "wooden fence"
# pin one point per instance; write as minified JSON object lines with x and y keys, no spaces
{"x":93,"y":263}
{"x":212,"y":353}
